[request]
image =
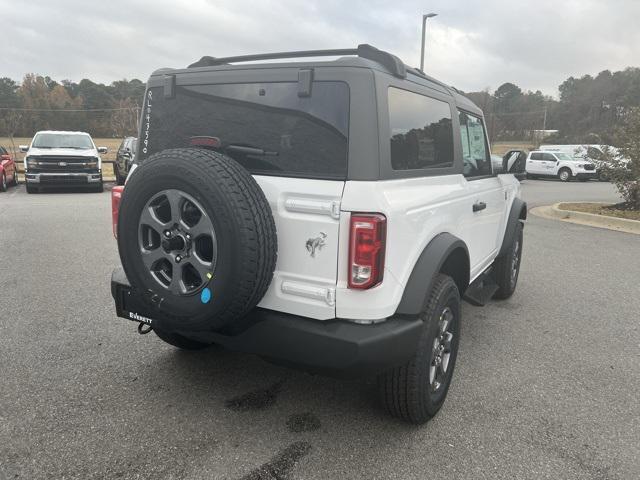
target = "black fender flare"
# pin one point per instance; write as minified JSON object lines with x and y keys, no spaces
{"x":430,"y":262}
{"x":518,"y":212}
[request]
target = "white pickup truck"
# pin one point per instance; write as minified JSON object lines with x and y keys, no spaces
{"x":62,"y":159}
{"x":560,"y":165}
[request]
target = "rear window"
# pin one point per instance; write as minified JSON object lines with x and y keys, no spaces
{"x":266,"y":127}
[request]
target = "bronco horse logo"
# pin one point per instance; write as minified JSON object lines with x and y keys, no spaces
{"x":317,"y":243}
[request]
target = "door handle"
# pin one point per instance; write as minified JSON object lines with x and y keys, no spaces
{"x":479,"y":206}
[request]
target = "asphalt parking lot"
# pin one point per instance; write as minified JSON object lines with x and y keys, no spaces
{"x":546,"y":384}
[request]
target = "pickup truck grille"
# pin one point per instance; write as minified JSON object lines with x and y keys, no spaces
{"x":589,"y":166}
{"x":63,"y":164}
{"x":58,"y":179}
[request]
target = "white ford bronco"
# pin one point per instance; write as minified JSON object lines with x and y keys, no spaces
{"x":327,"y":214}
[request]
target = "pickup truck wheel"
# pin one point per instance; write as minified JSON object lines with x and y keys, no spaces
{"x":564,"y":174}
{"x":179,"y":341}
{"x":415,"y":391}
{"x":198,"y":237}
{"x":507,"y":267}
{"x":14,"y":182}
{"x":3,"y":182}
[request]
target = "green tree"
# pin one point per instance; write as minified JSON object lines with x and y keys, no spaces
{"x":10,"y":120}
{"x":623,"y":166}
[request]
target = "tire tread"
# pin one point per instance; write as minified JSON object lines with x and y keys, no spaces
{"x":402,"y":391}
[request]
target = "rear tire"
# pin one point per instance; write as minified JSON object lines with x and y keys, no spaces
{"x":179,"y":341}
{"x":507,"y":268}
{"x":3,"y":182}
{"x":14,"y":182}
{"x":416,"y":391}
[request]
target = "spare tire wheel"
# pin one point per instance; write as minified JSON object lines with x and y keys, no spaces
{"x":197,"y":238}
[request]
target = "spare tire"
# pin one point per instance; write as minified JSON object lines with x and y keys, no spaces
{"x":196,"y":238}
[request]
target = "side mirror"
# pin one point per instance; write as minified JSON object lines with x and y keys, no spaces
{"x":24,"y":148}
{"x":102,"y":149}
{"x":515,"y":162}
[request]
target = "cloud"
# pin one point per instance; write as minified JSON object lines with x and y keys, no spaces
{"x":471,"y":44}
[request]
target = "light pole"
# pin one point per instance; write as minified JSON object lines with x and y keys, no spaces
{"x":424,"y":27}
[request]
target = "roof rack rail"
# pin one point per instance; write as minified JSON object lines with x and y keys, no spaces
{"x":419,"y":73}
{"x":387,"y":60}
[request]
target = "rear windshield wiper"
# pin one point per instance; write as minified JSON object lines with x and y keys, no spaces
{"x":249,"y":150}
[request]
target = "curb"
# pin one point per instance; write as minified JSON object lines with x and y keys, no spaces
{"x":589,"y":219}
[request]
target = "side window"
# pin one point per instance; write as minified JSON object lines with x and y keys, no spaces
{"x":549,"y":157}
{"x":421,"y":131}
{"x":536,"y":156}
{"x":475,"y":153}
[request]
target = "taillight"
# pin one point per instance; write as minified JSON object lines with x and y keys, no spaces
{"x":116,"y":195}
{"x":367,"y":239}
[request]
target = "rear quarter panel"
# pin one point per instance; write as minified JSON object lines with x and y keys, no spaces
{"x":417,"y":209}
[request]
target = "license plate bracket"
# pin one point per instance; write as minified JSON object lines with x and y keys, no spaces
{"x":130,"y":306}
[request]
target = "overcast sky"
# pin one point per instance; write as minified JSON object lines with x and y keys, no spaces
{"x":471,"y":44}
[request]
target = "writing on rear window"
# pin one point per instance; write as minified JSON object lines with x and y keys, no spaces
{"x":266,"y":127}
{"x":147,"y":122}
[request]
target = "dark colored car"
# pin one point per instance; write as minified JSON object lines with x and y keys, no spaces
{"x":8,"y":172}
{"x":124,"y":159}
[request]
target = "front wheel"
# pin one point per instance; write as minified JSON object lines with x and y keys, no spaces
{"x":564,"y":174}
{"x":416,"y":391}
{"x":507,"y":267}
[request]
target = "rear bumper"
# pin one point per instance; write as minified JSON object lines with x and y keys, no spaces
{"x":337,"y":347}
{"x":63,"y":178}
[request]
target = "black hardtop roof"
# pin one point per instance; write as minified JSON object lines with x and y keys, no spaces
{"x":364,"y":56}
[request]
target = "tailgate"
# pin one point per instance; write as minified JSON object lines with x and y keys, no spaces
{"x":306,"y":214}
